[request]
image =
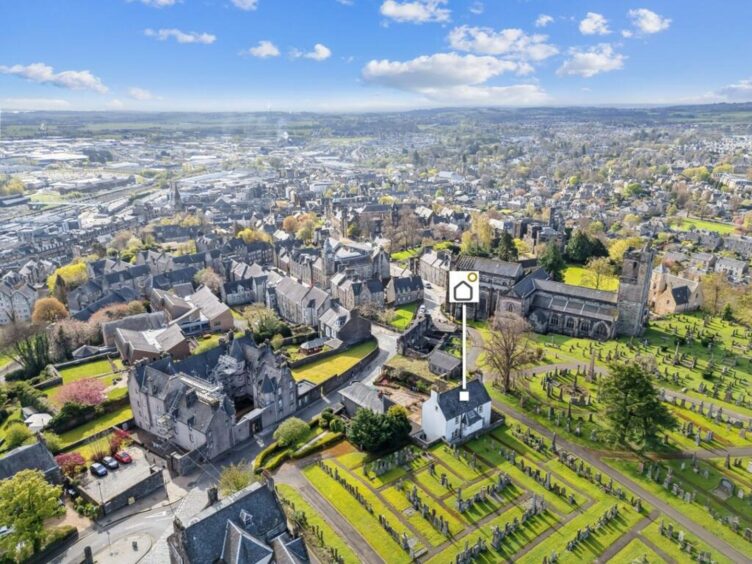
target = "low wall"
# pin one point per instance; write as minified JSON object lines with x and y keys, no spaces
{"x":148,"y":485}
{"x":318,"y":356}
{"x":99,"y":435}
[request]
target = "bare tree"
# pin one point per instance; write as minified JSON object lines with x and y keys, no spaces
{"x":508,"y":347}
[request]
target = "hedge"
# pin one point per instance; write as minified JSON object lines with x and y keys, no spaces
{"x":320,"y":444}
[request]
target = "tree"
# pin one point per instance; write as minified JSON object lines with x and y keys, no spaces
{"x":374,"y":432}
{"x":291,"y":431}
{"x":70,"y":463}
{"x":27,"y":500}
{"x":48,"y":310}
{"x":290,"y":224}
{"x":72,"y":275}
{"x":305,"y":230}
{"x":53,"y":441}
{"x":598,"y":271}
{"x":552,"y":261}
{"x":632,"y":405}
{"x":716,"y":291}
{"x":234,"y":478}
{"x":727,"y":314}
{"x":508,"y":347}
{"x":277,"y":341}
{"x":27,"y":344}
{"x":620,"y":246}
{"x":507,"y":249}
{"x":249,"y":235}
{"x":11,"y":186}
{"x":83,"y":392}
{"x":16,"y":435}
{"x":582,"y":247}
{"x":209,"y":278}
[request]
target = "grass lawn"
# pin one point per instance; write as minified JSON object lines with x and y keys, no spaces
{"x":331,"y":539}
{"x":415,"y":366}
{"x":636,"y":551}
{"x":5,"y":360}
{"x":696,"y":510}
{"x":95,"y":426}
{"x":365,"y":523}
{"x":89,"y":369}
{"x":717,"y":226}
{"x":577,"y":276}
{"x":321,"y":370}
{"x":403,"y":315}
{"x":13,"y":419}
{"x":653,"y":533}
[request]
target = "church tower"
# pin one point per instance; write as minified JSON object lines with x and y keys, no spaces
{"x":634,"y":291}
{"x":177,"y":201}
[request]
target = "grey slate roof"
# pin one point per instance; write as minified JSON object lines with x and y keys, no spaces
{"x":35,"y":457}
{"x":451,"y":406}
{"x":493,"y":267}
{"x":366,"y":397}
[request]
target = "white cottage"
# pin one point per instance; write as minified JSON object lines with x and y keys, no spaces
{"x":446,"y":417}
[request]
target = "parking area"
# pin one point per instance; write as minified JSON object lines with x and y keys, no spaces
{"x":123,"y":485}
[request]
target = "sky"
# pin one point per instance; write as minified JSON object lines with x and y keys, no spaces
{"x":370,"y":55}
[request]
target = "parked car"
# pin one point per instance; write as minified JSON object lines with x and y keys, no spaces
{"x":123,"y":457}
{"x":98,"y":469}
{"x":428,"y":285}
{"x":5,"y":530}
{"x":71,"y":492}
{"x":110,"y":462}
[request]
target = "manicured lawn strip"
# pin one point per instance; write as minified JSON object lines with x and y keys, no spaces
{"x":481,"y":446}
{"x":635,"y":551}
{"x":722,"y":437}
{"x":576,"y":275}
{"x":331,"y":538}
{"x":378,"y":481}
{"x":707,"y":225}
{"x":100,"y":424}
{"x":459,"y":466}
{"x":653,"y":533}
{"x":89,"y":369}
{"x":117,"y":393}
{"x":403,"y":315}
{"x":480,"y":510}
{"x":596,"y":544}
{"x":321,"y":370}
{"x":433,"y":485}
{"x":512,"y":544}
{"x":504,"y":435}
{"x":694,"y":511}
{"x":365,"y":523}
{"x":354,"y":459}
{"x":398,"y":500}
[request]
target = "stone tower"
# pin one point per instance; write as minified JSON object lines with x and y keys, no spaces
{"x":177,"y":201}
{"x":634,"y":290}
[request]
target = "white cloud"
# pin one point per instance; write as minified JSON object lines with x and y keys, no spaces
{"x":594,"y":24}
{"x":159,"y":3}
{"x":453,"y":78}
{"x":477,"y":8}
{"x":626,"y":33}
{"x":510,"y":42}
{"x":181,"y":36}
{"x":320,"y":53}
{"x":738,"y":92}
{"x":263,"y":50}
{"x":647,"y":21}
{"x":346,"y":2}
{"x":140,"y":94}
{"x":115,"y":104}
{"x":543,"y":20}
{"x":592,"y":61}
{"x":45,"y":74}
{"x":31,"y":104}
{"x":246,"y":5}
{"x":417,"y":11}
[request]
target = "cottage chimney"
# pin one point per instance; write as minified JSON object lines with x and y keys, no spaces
{"x":212,"y":495}
{"x":434,"y":392}
{"x":177,"y":525}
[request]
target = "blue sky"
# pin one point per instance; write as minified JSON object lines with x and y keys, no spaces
{"x":352,"y":55}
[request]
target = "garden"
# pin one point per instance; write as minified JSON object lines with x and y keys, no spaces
{"x":321,"y":370}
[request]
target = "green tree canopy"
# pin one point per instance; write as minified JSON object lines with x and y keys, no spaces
{"x":552,"y":261}
{"x":632,"y":406}
{"x":26,"y":501}
{"x":291,"y":431}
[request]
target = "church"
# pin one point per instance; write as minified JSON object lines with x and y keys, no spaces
{"x":555,"y":307}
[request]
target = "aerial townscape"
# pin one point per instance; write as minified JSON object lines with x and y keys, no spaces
{"x":461,"y":326}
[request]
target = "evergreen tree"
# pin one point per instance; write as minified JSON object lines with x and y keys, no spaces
{"x":552,"y":261}
{"x":507,"y":249}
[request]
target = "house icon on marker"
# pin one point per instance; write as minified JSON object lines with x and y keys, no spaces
{"x":463,"y":292}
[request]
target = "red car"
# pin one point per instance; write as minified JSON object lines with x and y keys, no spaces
{"x":123,"y":457}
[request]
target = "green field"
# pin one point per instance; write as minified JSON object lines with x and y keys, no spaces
{"x":93,"y":427}
{"x":313,"y":519}
{"x":686,"y":223}
{"x":403,"y":315}
{"x":578,"y":276}
{"x":321,"y":370}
